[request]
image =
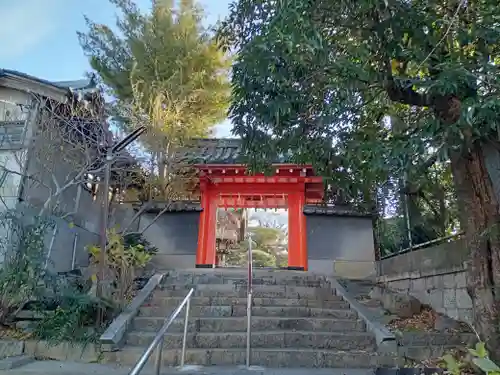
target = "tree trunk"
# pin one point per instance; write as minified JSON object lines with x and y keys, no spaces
{"x":480,"y":219}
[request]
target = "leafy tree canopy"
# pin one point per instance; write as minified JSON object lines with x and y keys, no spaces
{"x":165,"y":64}
{"x":266,"y":237}
{"x":377,"y":89}
{"x":316,"y":74}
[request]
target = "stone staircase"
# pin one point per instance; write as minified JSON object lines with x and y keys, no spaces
{"x":297,"y":321}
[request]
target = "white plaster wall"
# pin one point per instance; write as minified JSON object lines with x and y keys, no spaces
{"x":341,"y":246}
{"x":176,"y":237}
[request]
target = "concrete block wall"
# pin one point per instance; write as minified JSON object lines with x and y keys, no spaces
{"x":435,"y":275}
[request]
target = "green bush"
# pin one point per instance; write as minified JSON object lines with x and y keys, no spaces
{"x":134,"y":239}
{"x":479,"y":357}
{"x":23,"y":270}
{"x":73,"y":319}
{"x":67,"y":311}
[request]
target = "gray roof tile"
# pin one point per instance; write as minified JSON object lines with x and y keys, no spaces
{"x":217,"y":151}
{"x":175,"y":206}
{"x":83,"y":84}
{"x":339,"y":210}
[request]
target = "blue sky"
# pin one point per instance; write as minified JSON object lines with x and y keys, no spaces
{"x":38,"y":37}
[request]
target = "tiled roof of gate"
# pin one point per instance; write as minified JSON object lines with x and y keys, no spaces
{"x":339,"y":210}
{"x":217,"y":151}
{"x":175,"y":206}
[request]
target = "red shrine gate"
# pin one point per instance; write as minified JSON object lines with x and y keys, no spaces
{"x":227,"y":186}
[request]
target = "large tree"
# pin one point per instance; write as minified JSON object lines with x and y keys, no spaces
{"x":165,"y":71}
{"x":394,"y":85}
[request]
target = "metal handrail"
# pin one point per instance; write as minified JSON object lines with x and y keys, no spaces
{"x":158,"y":340}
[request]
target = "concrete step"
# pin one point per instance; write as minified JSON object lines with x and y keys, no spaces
{"x":278,"y":339}
{"x":436,"y":339}
{"x":422,"y":353}
{"x":259,"y":291}
{"x":241,"y":310}
{"x":74,"y":368}
{"x":227,"y":276}
{"x":238,"y":324}
{"x":290,"y":358}
{"x":172,"y":302}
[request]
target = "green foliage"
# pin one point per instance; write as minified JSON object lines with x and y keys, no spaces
{"x":366,"y":91}
{"x":25,"y":284}
{"x":310,"y":71}
{"x":265,"y":249}
{"x":479,"y":357}
{"x":73,"y":319}
{"x":122,"y":262}
{"x":22,"y":271}
{"x":262,"y":258}
{"x":268,"y":240}
{"x":132,"y":240}
{"x":266,"y":237}
{"x":165,"y":66}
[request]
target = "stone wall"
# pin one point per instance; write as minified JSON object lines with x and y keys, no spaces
{"x":435,"y":275}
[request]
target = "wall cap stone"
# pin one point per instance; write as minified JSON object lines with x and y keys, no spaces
{"x":116,"y":331}
{"x":386,"y":340}
{"x":418,"y":274}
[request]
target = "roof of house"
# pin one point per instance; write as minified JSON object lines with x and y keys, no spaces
{"x":82,"y":84}
{"x":218,"y":151}
{"x":80,"y":88}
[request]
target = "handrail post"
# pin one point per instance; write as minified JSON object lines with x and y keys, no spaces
{"x":159,"y":355}
{"x":159,"y":339}
{"x":184,"y":338}
{"x":249,"y":326}
{"x":249,"y":299}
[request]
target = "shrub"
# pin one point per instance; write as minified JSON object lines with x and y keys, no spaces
{"x":135,"y":239}
{"x":23,"y":269}
{"x":71,"y":315}
{"x":479,"y":357}
{"x":121,"y":262}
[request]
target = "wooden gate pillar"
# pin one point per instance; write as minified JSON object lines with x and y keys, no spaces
{"x":205,"y":254}
{"x":297,"y":244}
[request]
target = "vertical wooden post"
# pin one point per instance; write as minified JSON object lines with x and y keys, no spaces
{"x":211,"y":230}
{"x":297,"y":240}
{"x":293,"y":232}
{"x":302,"y":229}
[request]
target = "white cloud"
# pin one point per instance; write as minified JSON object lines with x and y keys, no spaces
{"x":25,"y":23}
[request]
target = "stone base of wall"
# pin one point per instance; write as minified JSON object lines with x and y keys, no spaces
{"x":346,"y":269}
{"x":173,"y":261}
{"x":11,"y":348}
{"x":320,"y":266}
{"x":444,"y":290}
{"x":352,"y":269}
